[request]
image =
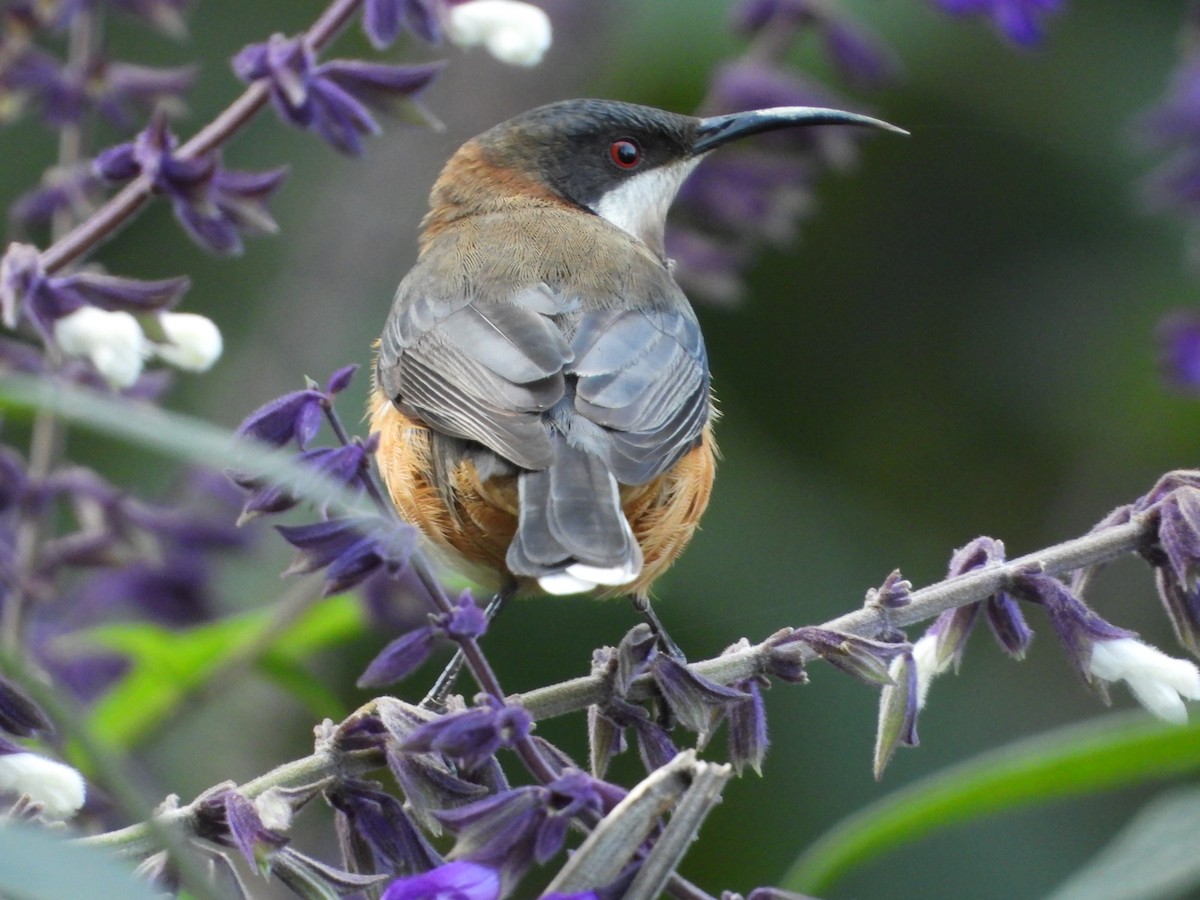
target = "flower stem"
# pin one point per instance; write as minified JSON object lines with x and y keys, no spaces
{"x":47,"y":434}
{"x":105,"y":221}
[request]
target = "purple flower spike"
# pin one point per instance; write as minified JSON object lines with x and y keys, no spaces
{"x":474,"y":735}
{"x":459,"y":880}
{"x":383,"y":20}
{"x":214,"y":205}
{"x":1018,"y":20}
{"x":28,"y":293}
{"x":329,"y":98}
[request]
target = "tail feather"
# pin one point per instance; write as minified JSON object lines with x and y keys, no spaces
{"x":571,"y":532}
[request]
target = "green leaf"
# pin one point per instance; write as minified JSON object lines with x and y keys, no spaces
{"x":1112,"y":752}
{"x":42,"y":865}
{"x":169,"y":666}
{"x":1153,"y":858}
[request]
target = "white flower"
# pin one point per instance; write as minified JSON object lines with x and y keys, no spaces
{"x":513,"y":32}
{"x":195,"y":341}
{"x":1158,"y":682}
{"x":58,"y":788}
{"x":925,"y":658}
{"x":113,"y":341}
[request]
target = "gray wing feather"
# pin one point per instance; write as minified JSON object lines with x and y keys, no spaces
{"x":643,"y":374}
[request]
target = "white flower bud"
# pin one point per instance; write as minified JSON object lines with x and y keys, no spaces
{"x":59,"y":789}
{"x":513,"y":32}
{"x":195,"y":341}
{"x":1158,"y":682}
{"x":113,"y":341}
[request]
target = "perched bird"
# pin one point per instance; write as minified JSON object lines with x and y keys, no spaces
{"x":542,"y":389}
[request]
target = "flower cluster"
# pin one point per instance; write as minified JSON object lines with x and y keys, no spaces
{"x":754,"y":195}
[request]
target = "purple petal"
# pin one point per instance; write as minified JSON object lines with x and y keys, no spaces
{"x":458,"y":880}
{"x":381,"y":22}
{"x":340,"y":380}
{"x":285,"y":418}
{"x":399,"y":658}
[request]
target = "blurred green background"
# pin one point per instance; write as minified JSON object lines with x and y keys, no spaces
{"x":960,"y":344}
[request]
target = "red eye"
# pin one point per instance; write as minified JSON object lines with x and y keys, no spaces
{"x":625,"y":153}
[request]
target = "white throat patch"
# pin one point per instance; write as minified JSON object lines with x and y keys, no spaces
{"x":639,"y":205}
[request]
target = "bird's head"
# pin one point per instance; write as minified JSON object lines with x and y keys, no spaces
{"x":620,"y":161}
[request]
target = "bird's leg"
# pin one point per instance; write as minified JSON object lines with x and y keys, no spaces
{"x":641,"y":603}
{"x":436,"y":698}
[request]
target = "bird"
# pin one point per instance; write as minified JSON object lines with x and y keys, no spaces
{"x":541,"y":387}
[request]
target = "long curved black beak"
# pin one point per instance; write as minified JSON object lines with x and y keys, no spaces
{"x":718,"y":130}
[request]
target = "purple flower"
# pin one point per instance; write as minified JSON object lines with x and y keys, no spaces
{"x":345,"y":465}
{"x":474,"y":735}
{"x":227,"y":817}
{"x":350,"y":550}
{"x":28,"y":293}
{"x":75,"y":190}
{"x":1077,"y":626}
{"x":748,"y":739}
{"x":118,"y":91}
{"x":174,"y":591}
{"x":861,"y":657}
{"x":328,"y":98}
{"x":696,"y":701}
{"x":459,"y":880}
{"x":894,"y":593}
{"x":296,"y":415}
{"x":953,"y":627}
{"x":384,"y":19}
{"x":1018,"y":20}
{"x":427,"y":779}
{"x":1178,"y":338}
{"x":1174,"y":503}
{"x":380,"y":820}
{"x":213,"y":204}
{"x":513,"y":830}
{"x":607,"y":722}
{"x":405,"y":654}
